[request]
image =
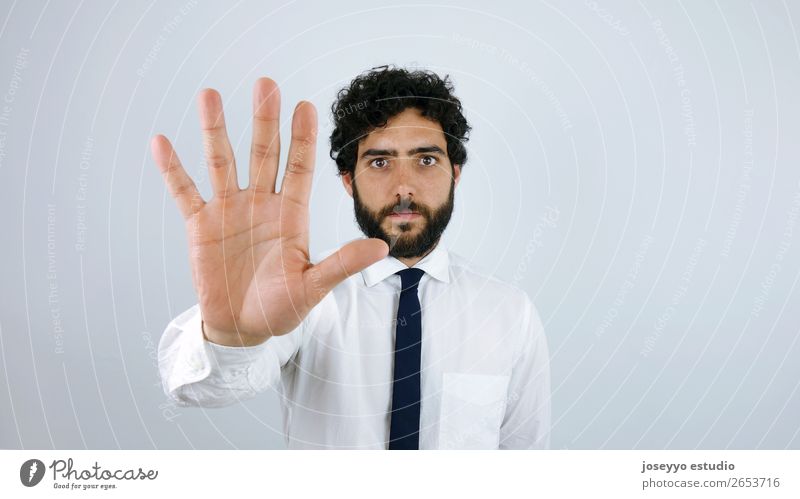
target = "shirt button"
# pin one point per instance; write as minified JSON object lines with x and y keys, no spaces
{"x":195,"y":364}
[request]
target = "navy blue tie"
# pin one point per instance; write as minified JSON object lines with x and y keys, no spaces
{"x":404,"y":429}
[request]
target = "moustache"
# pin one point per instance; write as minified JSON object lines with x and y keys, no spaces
{"x":404,"y":206}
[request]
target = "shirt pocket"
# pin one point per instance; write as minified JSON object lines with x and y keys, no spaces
{"x":472,"y":410}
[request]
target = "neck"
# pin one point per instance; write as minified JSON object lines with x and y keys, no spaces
{"x":410,"y":262}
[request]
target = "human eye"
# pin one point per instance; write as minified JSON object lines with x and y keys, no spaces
{"x":379,"y":163}
{"x":428,"y":160}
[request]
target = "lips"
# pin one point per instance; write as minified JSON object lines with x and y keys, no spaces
{"x":404,"y":215}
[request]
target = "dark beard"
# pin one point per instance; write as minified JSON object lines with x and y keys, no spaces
{"x":405,"y":247}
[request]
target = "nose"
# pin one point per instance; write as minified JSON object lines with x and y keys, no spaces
{"x":404,"y":181}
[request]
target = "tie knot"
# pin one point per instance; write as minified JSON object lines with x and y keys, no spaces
{"x":410,"y":277}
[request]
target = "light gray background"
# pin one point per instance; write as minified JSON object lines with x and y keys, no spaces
{"x":633,"y":167}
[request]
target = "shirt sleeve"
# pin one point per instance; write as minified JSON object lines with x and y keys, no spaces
{"x":197,"y":372}
{"x":526,"y":424}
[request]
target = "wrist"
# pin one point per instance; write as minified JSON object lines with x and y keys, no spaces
{"x":228,"y":339}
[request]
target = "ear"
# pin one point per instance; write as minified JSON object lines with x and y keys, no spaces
{"x":456,"y":173}
{"x":347,"y":181}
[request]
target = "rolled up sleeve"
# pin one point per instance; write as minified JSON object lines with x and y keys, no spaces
{"x":196,"y":372}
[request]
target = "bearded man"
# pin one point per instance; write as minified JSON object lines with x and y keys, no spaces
{"x":391,"y":342}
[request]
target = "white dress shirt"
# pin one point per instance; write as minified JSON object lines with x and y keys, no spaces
{"x":485,"y":380}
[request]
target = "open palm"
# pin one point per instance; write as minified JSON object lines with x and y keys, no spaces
{"x":249,"y":247}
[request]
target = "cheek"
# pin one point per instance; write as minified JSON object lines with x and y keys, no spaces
{"x":377,"y":195}
{"x":370,"y":198}
{"x":436,"y":193}
{"x":377,"y":185}
{"x":442,"y":178}
{"x":369,"y":184}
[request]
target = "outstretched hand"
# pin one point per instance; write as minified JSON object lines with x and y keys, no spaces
{"x":249,"y":247}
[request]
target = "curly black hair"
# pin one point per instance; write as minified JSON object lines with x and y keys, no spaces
{"x":373,"y":97}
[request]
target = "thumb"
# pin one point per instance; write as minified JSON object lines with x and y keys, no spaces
{"x":353,"y":257}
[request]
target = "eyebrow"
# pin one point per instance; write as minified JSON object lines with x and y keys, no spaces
{"x":411,"y":152}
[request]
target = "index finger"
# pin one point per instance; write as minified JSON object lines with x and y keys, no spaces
{"x":300,"y":163}
{"x":178,"y":182}
{"x":218,"y":150}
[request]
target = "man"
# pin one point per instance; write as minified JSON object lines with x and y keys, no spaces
{"x":390,"y":342}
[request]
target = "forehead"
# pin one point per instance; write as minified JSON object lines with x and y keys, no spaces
{"x":406,"y":129}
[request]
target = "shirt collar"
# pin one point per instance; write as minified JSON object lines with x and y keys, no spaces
{"x":436,"y":264}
